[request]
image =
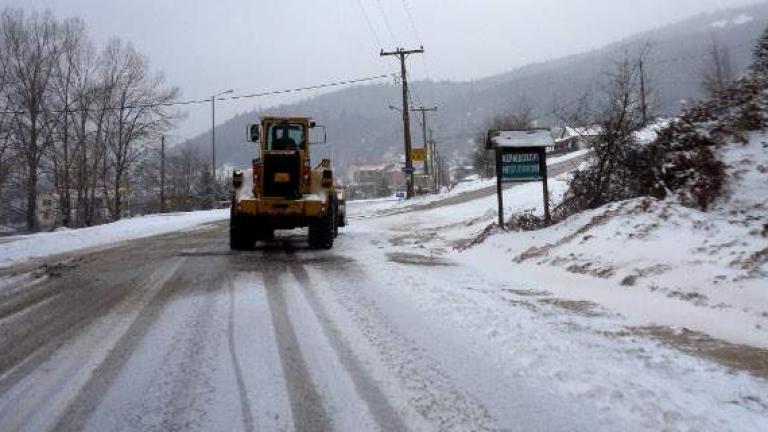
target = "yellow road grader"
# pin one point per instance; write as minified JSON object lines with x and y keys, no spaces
{"x":283,"y":190}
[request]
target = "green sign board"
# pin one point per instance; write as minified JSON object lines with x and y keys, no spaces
{"x":520,"y":164}
{"x":521,"y":156}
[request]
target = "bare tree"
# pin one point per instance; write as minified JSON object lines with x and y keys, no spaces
{"x":717,"y":73}
{"x":32,"y":46}
{"x":522,"y":117}
{"x":84,"y":90}
{"x":74,"y":121}
{"x":63,"y":102}
{"x":617,"y":159}
{"x":5,"y":135}
{"x":577,"y":112}
{"x":137,"y":113}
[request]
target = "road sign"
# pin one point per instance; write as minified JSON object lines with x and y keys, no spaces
{"x":408,"y":170}
{"x":419,"y":154}
{"x":521,"y":156}
{"x":521,"y":164}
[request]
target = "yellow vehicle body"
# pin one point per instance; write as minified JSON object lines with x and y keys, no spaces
{"x":282,"y":190}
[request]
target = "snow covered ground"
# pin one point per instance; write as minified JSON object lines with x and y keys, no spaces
{"x":588,"y":337}
{"x":662,"y":263}
{"x":465,"y":187}
{"x":653,"y":310}
{"x":654,"y":262}
{"x":642,"y":315}
{"x":14,"y":250}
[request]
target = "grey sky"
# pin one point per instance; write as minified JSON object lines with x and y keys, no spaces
{"x":205,"y":46}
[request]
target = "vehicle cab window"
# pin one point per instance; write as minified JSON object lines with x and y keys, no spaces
{"x":286,"y":136}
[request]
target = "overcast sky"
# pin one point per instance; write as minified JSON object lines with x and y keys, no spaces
{"x":205,"y":46}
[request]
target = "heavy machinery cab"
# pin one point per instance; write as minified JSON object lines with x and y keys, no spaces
{"x":283,"y":169}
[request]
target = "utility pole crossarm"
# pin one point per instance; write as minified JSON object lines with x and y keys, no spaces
{"x":401,"y":52}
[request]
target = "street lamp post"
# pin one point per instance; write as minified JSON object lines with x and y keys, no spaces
{"x":213,"y":130}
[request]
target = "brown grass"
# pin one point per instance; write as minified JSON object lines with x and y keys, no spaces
{"x":739,"y":357}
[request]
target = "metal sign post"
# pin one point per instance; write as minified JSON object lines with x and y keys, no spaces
{"x":499,"y":189}
{"x":544,"y":176}
{"x":521,"y":157}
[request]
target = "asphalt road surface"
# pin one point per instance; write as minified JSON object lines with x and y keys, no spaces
{"x":177,"y":332}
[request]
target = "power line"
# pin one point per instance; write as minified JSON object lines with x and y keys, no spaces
{"x":370,"y":23}
{"x":416,"y":33}
{"x":208,"y":100}
{"x":413,"y":92}
{"x":386,"y":22}
{"x":412,"y":22}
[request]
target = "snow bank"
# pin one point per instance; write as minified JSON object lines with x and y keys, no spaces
{"x":653,"y":262}
{"x":370,"y":206}
{"x":22,"y":248}
{"x":575,"y":305}
{"x":658,"y":262}
{"x":736,"y":21}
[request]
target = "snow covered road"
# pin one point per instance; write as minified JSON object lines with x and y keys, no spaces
{"x":387,"y":331}
{"x":176,"y":332}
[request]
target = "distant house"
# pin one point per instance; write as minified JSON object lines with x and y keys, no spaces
{"x":47,"y":208}
{"x":579,"y":138}
{"x":375,"y":180}
{"x":49,"y":213}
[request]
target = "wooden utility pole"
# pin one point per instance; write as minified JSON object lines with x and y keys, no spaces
{"x":424,"y":112}
{"x":436,"y":168}
{"x":162,"y":174}
{"x":401,"y":55}
{"x":642,"y":93}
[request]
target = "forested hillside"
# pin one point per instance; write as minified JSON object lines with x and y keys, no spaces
{"x":362,"y":128}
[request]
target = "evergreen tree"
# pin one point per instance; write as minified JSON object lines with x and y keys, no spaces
{"x":204,"y":190}
{"x":759,"y":67}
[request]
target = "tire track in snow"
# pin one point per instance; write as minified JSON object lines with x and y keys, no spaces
{"x":77,"y":413}
{"x":86,"y":364}
{"x":382,"y":411}
{"x":430,"y":393}
{"x":245,"y":404}
{"x":306,"y":404}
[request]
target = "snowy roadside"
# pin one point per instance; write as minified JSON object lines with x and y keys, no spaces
{"x":367,"y":207}
{"x":660,"y":263}
{"x":22,"y":248}
{"x":651,"y":263}
{"x":597,"y":344}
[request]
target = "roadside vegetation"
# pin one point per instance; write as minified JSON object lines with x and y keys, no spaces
{"x":80,"y":129}
{"x":678,"y":159}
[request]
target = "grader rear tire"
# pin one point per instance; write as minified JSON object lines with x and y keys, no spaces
{"x":322,"y":230}
{"x":264,"y":232}
{"x":240,"y":238}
